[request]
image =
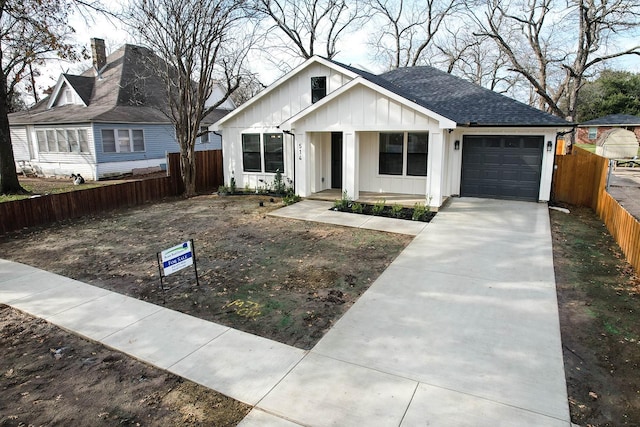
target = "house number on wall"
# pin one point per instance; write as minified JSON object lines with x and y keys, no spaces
{"x":300,"y":151}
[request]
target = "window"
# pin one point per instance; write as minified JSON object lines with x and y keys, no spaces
{"x":62,"y":140}
{"x":204,"y":138}
{"x":417,"y":150}
{"x":593,"y":133}
{"x":122,"y":140}
{"x":251,"y":158}
{"x":273,"y":155}
{"x":318,"y":88}
{"x":68,"y":96}
{"x":391,"y":153}
{"x":108,"y":141}
{"x":271,"y":149}
{"x":393,"y":147}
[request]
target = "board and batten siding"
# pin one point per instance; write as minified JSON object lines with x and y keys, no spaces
{"x":158,"y":140}
{"x":287,"y":99}
{"x":363,"y":109}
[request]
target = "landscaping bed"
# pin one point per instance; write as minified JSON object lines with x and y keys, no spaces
{"x":418,"y":212}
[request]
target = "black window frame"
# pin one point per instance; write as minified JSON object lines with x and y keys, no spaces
{"x":273,"y":152}
{"x":417,"y":160}
{"x":390,"y":162}
{"x":318,"y":88}
{"x":253,"y":157}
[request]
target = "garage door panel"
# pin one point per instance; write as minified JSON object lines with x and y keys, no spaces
{"x":500,"y":166}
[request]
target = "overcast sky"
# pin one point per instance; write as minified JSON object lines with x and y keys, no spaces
{"x":115,"y":35}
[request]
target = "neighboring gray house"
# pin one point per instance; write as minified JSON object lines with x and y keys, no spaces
{"x":416,"y":131}
{"x":107,"y":121}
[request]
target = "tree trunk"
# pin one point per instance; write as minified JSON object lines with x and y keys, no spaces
{"x":188,"y":168}
{"x":9,"y":183}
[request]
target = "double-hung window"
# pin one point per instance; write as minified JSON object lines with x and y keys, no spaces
{"x":593,"y":133}
{"x":403,"y":153}
{"x":122,"y":140}
{"x":273,"y":153}
{"x":251,"y":157}
{"x":391,"y":153}
{"x":262,"y":153}
{"x":204,"y":135}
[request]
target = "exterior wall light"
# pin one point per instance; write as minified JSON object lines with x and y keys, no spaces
{"x":549,"y":146}
{"x":456,"y":144}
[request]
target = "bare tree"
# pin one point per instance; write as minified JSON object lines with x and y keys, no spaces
{"x":554,"y":46}
{"x":29,"y":31}
{"x":303,"y":28}
{"x":408,"y":28}
{"x":194,"y":39}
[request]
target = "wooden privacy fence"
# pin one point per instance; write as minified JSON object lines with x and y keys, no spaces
{"x":46,"y":209}
{"x":580,"y":179}
{"x":209,"y":174}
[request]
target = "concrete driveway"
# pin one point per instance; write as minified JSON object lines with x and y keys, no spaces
{"x":461,"y":330}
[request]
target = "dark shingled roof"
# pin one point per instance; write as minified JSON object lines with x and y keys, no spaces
{"x":82,"y":85}
{"x":459,"y":100}
{"x":128,"y":90}
{"x":614,"y":119}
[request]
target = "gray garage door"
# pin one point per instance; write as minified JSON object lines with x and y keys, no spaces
{"x":502,"y":166}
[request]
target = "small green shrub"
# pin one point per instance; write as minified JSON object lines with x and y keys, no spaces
{"x":223,"y":189}
{"x":279,"y":186}
{"x":232,"y":185}
{"x":357,"y":208}
{"x":378,"y":207}
{"x":344,"y":203}
{"x":396,"y":210}
{"x":290,"y":198}
{"x":419,"y":212}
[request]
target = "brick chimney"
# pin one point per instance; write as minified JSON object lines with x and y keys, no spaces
{"x":98,"y":53}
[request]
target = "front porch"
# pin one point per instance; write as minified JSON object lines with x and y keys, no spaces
{"x":406,"y":200}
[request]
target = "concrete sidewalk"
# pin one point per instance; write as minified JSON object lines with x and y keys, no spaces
{"x":462,"y":329}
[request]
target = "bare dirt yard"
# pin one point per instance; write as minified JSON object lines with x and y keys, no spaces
{"x":283,"y":279}
{"x":50,"y":377}
{"x":599,"y":301}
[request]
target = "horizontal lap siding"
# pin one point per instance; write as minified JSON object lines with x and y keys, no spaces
{"x":158,"y":140}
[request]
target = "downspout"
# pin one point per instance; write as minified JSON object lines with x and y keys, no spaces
{"x":293,"y":157}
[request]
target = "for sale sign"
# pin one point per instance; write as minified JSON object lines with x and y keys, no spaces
{"x":176,"y":258}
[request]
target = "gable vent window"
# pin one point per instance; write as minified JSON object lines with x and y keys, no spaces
{"x":318,"y":88}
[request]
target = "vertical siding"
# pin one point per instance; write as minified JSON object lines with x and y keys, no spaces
{"x":286,"y":100}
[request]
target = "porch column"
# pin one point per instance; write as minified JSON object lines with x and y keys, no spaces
{"x":301,"y":163}
{"x":351,"y":164}
{"x":435,"y":170}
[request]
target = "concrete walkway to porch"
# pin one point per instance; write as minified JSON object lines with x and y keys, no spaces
{"x":461,"y":330}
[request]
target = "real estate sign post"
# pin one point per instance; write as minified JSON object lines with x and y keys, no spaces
{"x":175,"y":259}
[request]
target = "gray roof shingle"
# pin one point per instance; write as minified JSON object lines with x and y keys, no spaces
{"x":128,"y":90}
{"x":614,"y":119}
{"x":464,"y":102}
